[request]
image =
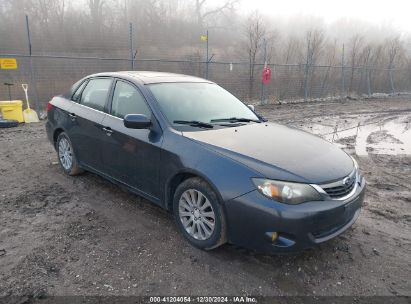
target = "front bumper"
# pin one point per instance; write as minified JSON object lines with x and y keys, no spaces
{"x":252,"y":218}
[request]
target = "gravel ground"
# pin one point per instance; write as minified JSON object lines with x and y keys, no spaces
{"x":62,"y":235}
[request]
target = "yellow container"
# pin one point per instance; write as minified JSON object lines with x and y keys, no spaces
{"x":12,"y":110}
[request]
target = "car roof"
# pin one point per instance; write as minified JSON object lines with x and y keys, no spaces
{"x":148,"y":77}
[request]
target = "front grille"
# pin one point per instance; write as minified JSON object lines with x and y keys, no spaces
{"x":341,"y":188}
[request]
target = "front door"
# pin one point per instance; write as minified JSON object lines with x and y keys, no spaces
{"x":131,"y":156}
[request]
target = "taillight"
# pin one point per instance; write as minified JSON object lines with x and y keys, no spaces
{"x":49,"y":106}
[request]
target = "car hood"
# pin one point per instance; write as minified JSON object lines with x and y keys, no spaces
{"x":278,"y":152}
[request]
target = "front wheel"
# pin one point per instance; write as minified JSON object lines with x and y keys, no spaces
{"x":199,"y":214}
{"x":66,"y":156}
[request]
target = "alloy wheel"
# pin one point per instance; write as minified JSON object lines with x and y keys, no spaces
{"x":196,"y":214}
{"x":65,"y":153}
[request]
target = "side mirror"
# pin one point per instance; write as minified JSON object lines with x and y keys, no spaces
{"x":252,"y":108}
{"x":137,"y":121}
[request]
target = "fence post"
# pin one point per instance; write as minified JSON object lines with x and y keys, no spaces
{"x":306,"y":71}
{"x":367,"y":72}
{"x":342,"y":73}
{"x":265,"y":64}
{"x":131,"y":45}
{"x":32,"y":78}
{"x":207,"y":59}
{"x":324,"y":81}
{"x":392,"y":82}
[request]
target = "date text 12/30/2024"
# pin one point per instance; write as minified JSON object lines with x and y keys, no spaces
{"x":203,"y":299}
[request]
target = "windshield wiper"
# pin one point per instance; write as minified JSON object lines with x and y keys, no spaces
{"x":235,"y":119}
{"x":194,"y":123}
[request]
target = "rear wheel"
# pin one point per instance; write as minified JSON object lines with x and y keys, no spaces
{"x":199,"y":214}
{"x":66,"y":156}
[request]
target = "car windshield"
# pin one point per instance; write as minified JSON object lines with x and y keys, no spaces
{"x":195,"y":103}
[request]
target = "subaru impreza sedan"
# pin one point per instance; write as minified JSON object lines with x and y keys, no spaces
{"x":225,"y":173}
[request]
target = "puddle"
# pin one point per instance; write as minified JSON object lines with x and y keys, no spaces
{"x":392,"y":136}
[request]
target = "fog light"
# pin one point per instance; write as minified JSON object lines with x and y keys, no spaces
{"x":272,"y":237}
{"x":279,"y":240}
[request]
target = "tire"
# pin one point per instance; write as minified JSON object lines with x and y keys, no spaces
{"x":5,"y":123}
{"x":201,"y":233}
{"x":69,"y":167}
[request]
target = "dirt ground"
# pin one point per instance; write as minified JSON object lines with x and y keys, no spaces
{"x":62,"y":235}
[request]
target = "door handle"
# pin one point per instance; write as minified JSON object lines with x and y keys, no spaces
{"x":72,"y":116}
{"x":108,"y":131}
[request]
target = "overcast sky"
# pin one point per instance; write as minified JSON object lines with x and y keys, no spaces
{"x":396,"y":13}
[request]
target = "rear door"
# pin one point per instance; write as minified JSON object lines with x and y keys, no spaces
{"x":132,"y":156}
{"x":60,"y":114}
{"x":87,"y":132}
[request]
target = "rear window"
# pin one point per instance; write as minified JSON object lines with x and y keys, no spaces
{"x":95,"y":93}
{"x":76,"y":95}
{"x":68,"y":94}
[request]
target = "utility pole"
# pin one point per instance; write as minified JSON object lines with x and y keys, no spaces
{"x":207,"y":59}
{"x":342,"y":73}
{"x":368,"y":82}
{"x":131,"y":46}
{"x":32,"y":78}
{"x":391,"y":80}
{"x":265,"y":65}
{"x":307,"y":63}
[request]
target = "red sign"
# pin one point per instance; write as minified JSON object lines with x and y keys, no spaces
{"x":266,"y":76}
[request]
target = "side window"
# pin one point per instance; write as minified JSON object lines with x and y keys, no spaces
{"x":95,"y":93}
{"x":128,"y":100}
{"x":76,"y":95}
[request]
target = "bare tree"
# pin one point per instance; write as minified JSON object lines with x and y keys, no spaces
{"x":202,"y":13}
{"x":356,"y":43}
{"x":364,"y":61}
{"x":271,"y":37}
{"x":375,"y":61}
{"x":395,"y":51}
{"x":292,"y":51}
{"x":330,"y":55}
{"x":170,"y":29}
{"x":46,"y":12}
{"x":96,"y":14}
{"x":315,"y":42}
{"x":254,"y":32}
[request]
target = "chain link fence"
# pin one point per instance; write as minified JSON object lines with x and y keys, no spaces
{"x":50,"y":60}
{"x":52,"y":75}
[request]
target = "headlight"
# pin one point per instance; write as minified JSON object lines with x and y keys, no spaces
{"x":355,"y":163}
{"x":286,"y":192}
{"x":358,"y":175}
